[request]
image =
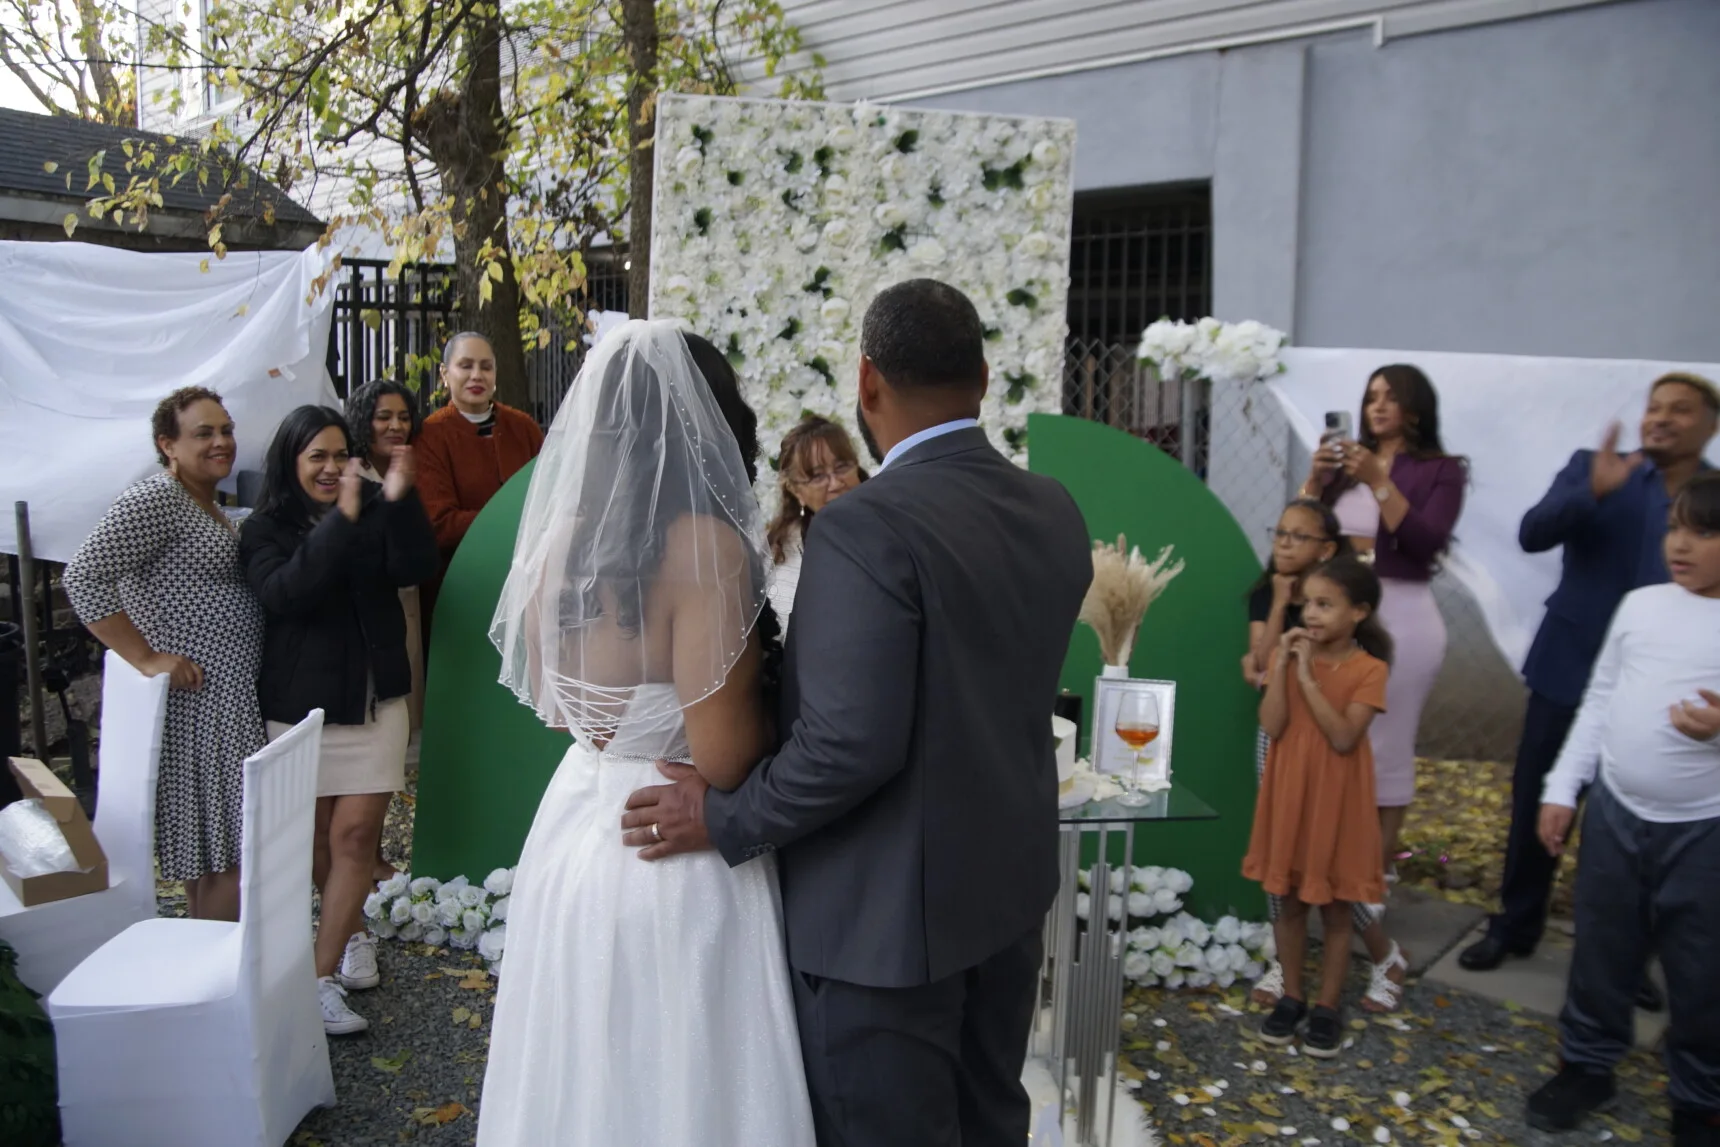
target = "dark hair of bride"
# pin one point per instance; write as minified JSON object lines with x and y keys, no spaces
{"x":631,"y":549}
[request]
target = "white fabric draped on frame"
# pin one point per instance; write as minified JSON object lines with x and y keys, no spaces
{"x":92,"y":338}
{"x":1517,"y":419}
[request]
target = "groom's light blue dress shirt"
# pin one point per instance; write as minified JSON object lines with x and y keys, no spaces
{"x":925,"y":435}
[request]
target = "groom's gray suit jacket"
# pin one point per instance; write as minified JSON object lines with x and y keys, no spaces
{"x":913,"y":801}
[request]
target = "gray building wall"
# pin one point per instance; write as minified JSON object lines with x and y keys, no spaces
{"x":1540,"y":186}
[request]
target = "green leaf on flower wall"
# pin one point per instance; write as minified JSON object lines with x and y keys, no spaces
{"x":895,"y":239}
{"x":733,"y":351}
{"x":793,"y":163}
{"x":992,"y":334}
{"x":704,"y":135}
{"x":702,"y":220}
{"x":907,"y":141}
{"x":1021,"y":297}
{"x":1015,"y":437}
{"x":996,"y":178}
{"x":822,"y":366}
{"x":819,"y":283}
{"x":935,"y":196}
{"x":822,"y":158}
{"x":788,"y":332}
{"x":791,"y":199}
{"x":736,"y":178}
{"x":1020,"y":382}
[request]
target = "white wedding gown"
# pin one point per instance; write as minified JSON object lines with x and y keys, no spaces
{"x":640,"y":1003}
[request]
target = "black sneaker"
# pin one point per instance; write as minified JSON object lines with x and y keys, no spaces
{"x":1693,"y":1128}
{"x":1325,"y":1036}
{"x":1561,"y":1102}
{"x":1281,"y":1026}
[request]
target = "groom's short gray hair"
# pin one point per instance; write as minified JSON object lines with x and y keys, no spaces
{"x":923,"y":333}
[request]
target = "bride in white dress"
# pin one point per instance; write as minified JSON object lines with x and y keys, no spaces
{"x":641,"y":1003}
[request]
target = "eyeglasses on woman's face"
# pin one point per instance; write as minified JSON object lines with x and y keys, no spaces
{"x":839,"y":471}
{"x":1293,"y":537}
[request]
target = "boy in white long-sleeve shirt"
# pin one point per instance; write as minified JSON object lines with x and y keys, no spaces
{"x":1649,"y":878}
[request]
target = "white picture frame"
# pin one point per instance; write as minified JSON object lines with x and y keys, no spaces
{"x":1109,"y":753}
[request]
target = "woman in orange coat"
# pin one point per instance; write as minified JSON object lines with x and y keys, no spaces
{"x":469,"y":449}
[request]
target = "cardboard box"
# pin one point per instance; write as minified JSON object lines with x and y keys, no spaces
{"x":37,"y":780}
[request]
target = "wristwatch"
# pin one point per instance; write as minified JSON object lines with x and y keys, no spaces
{"x":1383,"y":493}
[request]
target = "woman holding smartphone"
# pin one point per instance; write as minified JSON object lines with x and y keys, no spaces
{"x":1397,"y":494}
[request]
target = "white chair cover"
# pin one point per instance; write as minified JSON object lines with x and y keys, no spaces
{"x":197,"y":1033}
{"x":54,"y":938}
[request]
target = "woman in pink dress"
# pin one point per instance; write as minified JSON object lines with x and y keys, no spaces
{"x":1397,"y":494}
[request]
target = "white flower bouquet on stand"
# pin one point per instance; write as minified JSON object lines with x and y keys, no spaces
{"x":1211,"y":350}
{"x":465,"y":916}
{"x":1165,"y":946}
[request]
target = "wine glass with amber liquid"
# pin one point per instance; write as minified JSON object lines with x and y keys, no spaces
{"x":1137,"y":727}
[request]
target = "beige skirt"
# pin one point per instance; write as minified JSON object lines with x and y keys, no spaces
{"x":361,"y":759}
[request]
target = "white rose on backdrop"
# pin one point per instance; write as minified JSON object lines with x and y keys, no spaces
{"x":499,"y":910}
{"x":1083,"y":904}
{"x":1036,"y":245}
{"x":893,"y":168}
{"x":400,"y":912}
{"x":375,"y":906}
{"x":456,"y":884}
{"x":1144,"y":879}
{"x":806,"y":238}
{"x":677,"y":288}
{"x":1141,"y":905}
{"x":423,"y":886}
{"x":424,"y":912}
{"x":500,"y":882}
{"x":435,"y":936}
{"x":1047,"y":152}
{"x":1253,"y":970}
{"x":834,"y":310}
{"x":688,"y":159}
{"x":1200,"y":979}
{"x":448,"y":913}
{"x":1175,"y":980}
{"x":838,"y":234}
{"x":462,"y":940}
{"x":1137,"y":965}
{"x":832,"y":352}
{"x":472,"y":896}
{"x":837,"y":193}
{"x":472,"y":920}
{"x":1114,"y":909}
{"x":1166,"y":901}
{"x":1228,"y":930}
{"x":1144,"y":938}
{"x":841,"y":137}
{"x":1238,"y":957}
{"x":491,"y":943}
{"x":1197,"y":932}
{"x":1178,"y":881}
{"x":1116,"y":882}
{"x":1224,"y":979}
{"x":383,"y":929}
{"x":1189,"y":955}
{"x":1163,"y":963}
{"x":1042,"y":196}
{"x":889,"y":216}
{"x":412,"y":931}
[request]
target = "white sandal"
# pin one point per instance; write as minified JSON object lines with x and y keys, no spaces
{"x":1385,"y":994}
{"x":1270,"y":986}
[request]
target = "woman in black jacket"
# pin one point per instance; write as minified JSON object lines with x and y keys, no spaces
{"x":326,"y":553}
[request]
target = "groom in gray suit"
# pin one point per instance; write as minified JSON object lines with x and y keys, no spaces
{"x":913,"y":801}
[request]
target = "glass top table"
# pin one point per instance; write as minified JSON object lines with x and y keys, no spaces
{"x":1175,"y":803}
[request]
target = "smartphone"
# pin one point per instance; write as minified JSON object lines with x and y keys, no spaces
{"x":1338,"y":427}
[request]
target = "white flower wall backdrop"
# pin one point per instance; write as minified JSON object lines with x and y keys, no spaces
{"x":777,"y":221}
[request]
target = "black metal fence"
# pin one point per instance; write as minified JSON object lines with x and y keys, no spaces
{"x":1137,"y":256}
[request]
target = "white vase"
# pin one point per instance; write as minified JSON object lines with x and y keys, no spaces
{"x":1114,"y":671}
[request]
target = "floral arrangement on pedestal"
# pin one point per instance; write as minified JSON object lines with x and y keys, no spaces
{"x":777,"y":221}
{"x":1167,"y":947}
{"x":1213,"y":350}
{"x":465,"y":916}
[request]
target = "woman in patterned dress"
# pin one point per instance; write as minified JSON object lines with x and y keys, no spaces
{"x":159,"y":582}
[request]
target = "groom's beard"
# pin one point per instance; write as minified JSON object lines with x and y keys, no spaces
{"x":866,"y":434}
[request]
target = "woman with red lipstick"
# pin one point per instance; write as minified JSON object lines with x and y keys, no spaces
{"x":471,"y":447}
{"x":326,"y":553}
{"x":159,"y":583}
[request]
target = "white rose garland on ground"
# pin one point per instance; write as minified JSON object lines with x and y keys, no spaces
{"x":1213,"y":350}
{"x":465,"y":916}
{"x":1167,"y":947}
{"x":776,"y":223}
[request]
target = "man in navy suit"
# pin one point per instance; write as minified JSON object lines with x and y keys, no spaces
{"x":1608,"y":511}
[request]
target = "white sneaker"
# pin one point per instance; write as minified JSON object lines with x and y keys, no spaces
{"x":338,"y":1019}
{"x":358,"y":965}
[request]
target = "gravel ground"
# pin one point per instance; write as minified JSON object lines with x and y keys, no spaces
{"x":1463,"y":1064}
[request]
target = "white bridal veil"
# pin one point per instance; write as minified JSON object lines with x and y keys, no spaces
{"x":639,"y":507}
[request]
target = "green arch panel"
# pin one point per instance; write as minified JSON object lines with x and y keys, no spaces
{"x":1194,"y":635}
{"x":486,"y":758}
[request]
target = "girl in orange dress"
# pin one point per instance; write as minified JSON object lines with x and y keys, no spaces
{"x":1316,"y":838}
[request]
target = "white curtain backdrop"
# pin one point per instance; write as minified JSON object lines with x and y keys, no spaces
{"x":91,"y":338}
{"x":1517,"y":419}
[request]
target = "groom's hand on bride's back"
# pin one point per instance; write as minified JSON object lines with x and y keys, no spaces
{"x":664,"y":820}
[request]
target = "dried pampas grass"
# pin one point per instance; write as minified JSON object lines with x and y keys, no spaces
{"x":1124,"y":585}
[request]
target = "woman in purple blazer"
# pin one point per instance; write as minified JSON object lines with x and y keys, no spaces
{"x":1397,"y":494}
